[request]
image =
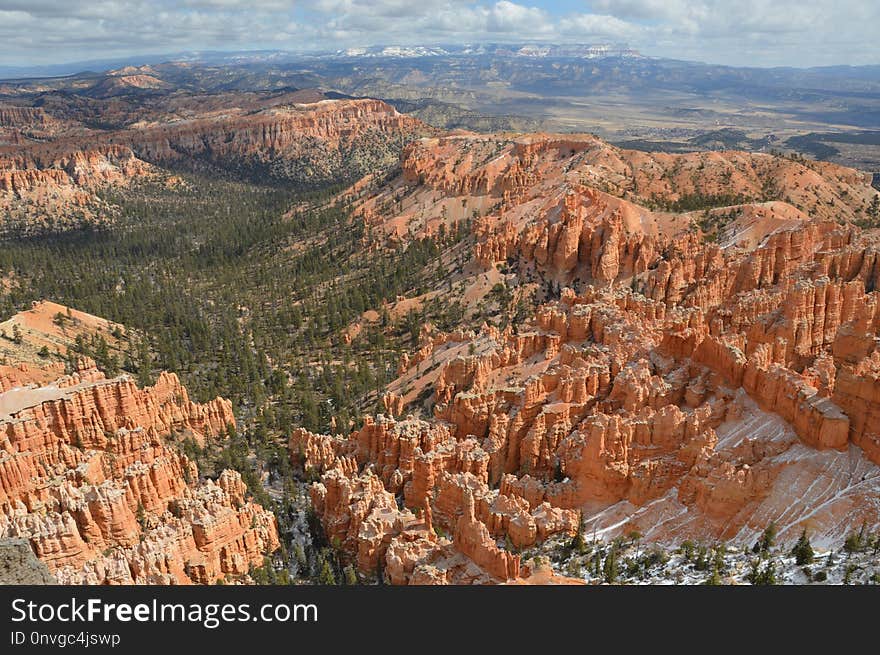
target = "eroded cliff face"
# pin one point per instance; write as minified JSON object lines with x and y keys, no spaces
{"x":50,"y":183}
{"x":675,"y":385}
{"x":312,"y":143}
{"x":91,"y":477}
{"x":579,"y":208}
{"x":517,"y":168}
{"x":50,"y":188}
{"x":435,"y":474}
{"x":47,"y":326}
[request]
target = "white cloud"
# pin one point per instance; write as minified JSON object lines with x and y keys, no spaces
{"x":599,"y":26}
{"x":646,"y":9}
{"x":369,"y":22}
{"x":512,"y":18}
{"x":790,"y":32}
{"x":731,"y":31}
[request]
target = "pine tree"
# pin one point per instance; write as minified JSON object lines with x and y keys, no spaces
{"x":855,"y":541}
{"x":754,"y":571}
{"x":803,"y":550}
{"x":718,"y":563}
{"x":687,"y":549}
{"x":762,"y":576}
{"x":610,"y":568}
{"x":714,"y":579}
{"x":768,"y":576}
{"x":326,"y":575}
{"x":578,"y":543}
{"x":766,"y":541}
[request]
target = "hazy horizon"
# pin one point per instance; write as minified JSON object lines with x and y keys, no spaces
{"x":757,"y":33}
{"x":100,"y":64}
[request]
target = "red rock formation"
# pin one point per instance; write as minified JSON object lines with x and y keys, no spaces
{"x":23,"y":374}
{"x":817,"y":420}
{"x":50,"y":184}
{"x":278,"y":132}
{"x":633,"y":390}
{"x":56,"y":189}
{"x":472,"y":538}
{"x":433,"y":471}
{"x":586,"y":195}
{"x":89,"y":476}
{"x":857,"y":392}
{"x":358,"y":515}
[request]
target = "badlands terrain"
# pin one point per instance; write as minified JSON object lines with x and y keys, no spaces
{"x":91,"y":475}
{"x":308,"y":338}
{"x":671,"y":384}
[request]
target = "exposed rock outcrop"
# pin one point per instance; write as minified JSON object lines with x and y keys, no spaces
{"x":50,"y":184}
{"x":19,"y":566}
{"x":91,"y":479}
{"x":629,"y":396}
{"x":54,"y":189}
{"x":433,"y":472}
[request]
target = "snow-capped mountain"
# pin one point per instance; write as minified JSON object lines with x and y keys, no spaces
{"x":393,"y":51}
{"x":531,"y":50}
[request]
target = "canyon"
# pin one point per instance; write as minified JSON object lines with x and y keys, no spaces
{"x":678,"y":346}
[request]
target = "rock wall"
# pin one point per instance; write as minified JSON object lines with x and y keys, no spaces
{"x":91,"y":479}
{"x":50,"y":184}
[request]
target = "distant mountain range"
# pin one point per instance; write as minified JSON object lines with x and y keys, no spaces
{"x":607,"y":89}
{"x":583,"y":51}
{"x":533,"y":50}
{"x":589,"y":51}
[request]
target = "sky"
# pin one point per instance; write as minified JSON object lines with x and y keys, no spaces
{"x":732,"y":32}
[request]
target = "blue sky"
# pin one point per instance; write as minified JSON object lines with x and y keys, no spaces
{"x":736,"y":32}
